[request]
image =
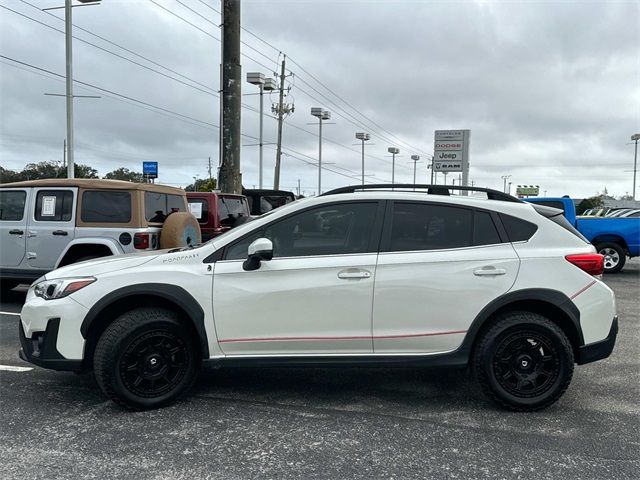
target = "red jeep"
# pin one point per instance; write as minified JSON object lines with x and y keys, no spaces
{"x":217,"y":212}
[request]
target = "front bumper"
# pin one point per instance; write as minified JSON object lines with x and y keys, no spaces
{"x":599,"y":350}
{"x":41,"y":349}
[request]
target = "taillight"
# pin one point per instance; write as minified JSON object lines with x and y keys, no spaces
{"x":141,"y":241}
{"x":592,"y":263}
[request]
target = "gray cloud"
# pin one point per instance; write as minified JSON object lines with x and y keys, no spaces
{"x":548,"y":89}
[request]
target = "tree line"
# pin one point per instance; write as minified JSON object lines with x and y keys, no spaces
{"x":52,"y":169}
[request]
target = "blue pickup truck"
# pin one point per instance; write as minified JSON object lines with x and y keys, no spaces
{"x":615,"y":238}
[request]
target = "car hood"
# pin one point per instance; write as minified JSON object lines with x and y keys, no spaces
{"x":104,"y":265}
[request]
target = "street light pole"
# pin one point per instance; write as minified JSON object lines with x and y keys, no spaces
{"x":504,"y":179}
{"x":269,"y":84}
{"x":69,"y":81}
{"x":416,"y":159}
{"x":321,"y":115}
{"x":363,"y":136}
{"x":635,"y":138}
{"x":393,"y":151}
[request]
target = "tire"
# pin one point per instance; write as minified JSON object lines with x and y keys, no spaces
{"x":524,"y":362}
{"x":146,"y":359}
{"x":614,"y":256}
{"x":180,"y":229}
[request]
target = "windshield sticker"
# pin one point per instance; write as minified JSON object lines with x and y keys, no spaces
{"x":48,"y":207}
{"x":196,"y":210}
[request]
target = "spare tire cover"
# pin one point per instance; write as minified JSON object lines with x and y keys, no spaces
{"x":180,"y":229}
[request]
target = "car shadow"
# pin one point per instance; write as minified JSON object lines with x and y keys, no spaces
{"x":318,"y":387}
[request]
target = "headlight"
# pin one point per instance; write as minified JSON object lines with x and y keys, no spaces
{"x":61,"y":287}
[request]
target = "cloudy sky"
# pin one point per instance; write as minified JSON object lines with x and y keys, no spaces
{"x":549,"y":89}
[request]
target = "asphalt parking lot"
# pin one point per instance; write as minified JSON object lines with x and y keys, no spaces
{"x":325,"y":423}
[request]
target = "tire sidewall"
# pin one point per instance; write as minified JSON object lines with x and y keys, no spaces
{"x":564,"y":359}
{"x":120,"y":347}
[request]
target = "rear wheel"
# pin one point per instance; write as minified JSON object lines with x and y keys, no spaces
{"x":614,"y":256}
{"x":524,"y":361}
{"x":146,"y":359}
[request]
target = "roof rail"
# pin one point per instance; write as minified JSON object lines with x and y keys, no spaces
{"x":431,"y":190}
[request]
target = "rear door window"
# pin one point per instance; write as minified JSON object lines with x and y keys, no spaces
{"x":12,"y":205}
{"x":484,"y":230}
{"x":423,"y":226}
{"x":54,"y":206}
{"x":106,"y":207}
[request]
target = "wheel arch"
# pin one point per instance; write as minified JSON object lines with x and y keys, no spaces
{"x":610,"y":238}
{"x":171,"y":297}
{"x":98,"y":247}
{"x":552,"y":304}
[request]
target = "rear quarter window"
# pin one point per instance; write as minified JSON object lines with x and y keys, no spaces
{"x":106,"y":207}
{"x":517,"y":229}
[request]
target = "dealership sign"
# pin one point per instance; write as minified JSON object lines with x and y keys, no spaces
{"x":525,"y":190}
{"x":451,"y":152}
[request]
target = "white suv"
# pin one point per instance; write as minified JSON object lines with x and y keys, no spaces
{"x":359,"y":275}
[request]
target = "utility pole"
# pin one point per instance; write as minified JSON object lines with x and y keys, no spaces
{"x":210,"y":177}
{"x":230,"y":177}
{"x":64,"y":153}
{"x":298,"y":187}
{"x":280,"y":112}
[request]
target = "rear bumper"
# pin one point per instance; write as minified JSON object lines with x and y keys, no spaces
{"x":41,"y":350}
{"x":599,"y":350}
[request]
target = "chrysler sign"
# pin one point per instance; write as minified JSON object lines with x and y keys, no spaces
{"x":451,"y":152}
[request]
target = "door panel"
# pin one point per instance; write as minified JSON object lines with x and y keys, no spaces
{"x":13,"y":225}
{"x":51,"y":225}
{"x":295,"y":305}
{"x":425,"y":301}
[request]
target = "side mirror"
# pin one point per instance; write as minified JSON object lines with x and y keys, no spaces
{"x":260,"y":249}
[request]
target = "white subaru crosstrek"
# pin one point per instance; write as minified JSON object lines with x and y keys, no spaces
{"x":359,"y":275}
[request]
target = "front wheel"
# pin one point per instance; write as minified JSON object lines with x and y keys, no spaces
{"x":614,"y":256}
{"x":524,"y":361}
{"x":146,"y":359}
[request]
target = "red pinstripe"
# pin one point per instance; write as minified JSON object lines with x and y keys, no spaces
{"x":358,"y":337}
{"x":582,"y":290}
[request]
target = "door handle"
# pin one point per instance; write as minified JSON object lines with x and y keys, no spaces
{"x":489,"y":271}
{"x":60,"y":232}
{"x":16,"y":232}
{"x":350,"y":274}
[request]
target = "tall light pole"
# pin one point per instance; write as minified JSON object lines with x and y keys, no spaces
{"x":393,"y":151}
{"x":635,"y":138}
{"x":504,"y":179}
{"x":363,"y":136}
{"x":268,"y":84}
{"x":415,"y":159}
{"x":321,"y":115}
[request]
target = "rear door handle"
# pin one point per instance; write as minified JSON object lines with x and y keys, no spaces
{"x":489,"y":271}
{"x":353,"y":273}
{"x":60,"y":232}
{"x":16,"y":232}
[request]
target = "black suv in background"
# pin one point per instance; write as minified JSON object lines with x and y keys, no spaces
{"x":263,"y":200}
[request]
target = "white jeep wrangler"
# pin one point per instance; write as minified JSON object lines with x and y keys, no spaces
{"x":359,"y":275}
{"x":47,"y":224}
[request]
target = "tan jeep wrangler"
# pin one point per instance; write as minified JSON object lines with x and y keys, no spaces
{"x":46,"y":224}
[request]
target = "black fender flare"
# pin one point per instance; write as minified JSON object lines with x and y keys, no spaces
{"x":173,"y":293}
{"x":549,"y":296}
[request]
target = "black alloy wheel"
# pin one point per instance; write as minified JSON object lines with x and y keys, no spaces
{"x":524,"y":361}
{"x":154,"y":363}
{"x":526,"y":364}
{"x":147,"y":358}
